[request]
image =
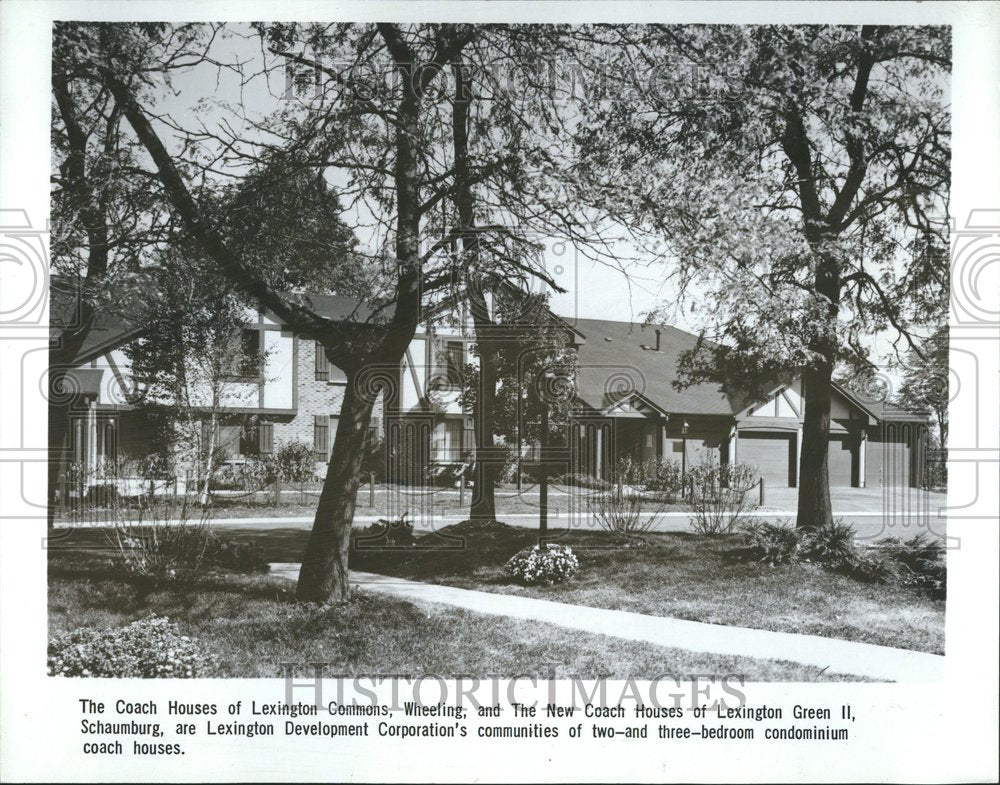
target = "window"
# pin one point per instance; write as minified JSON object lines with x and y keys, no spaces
{"x":265,"y":441}
{"x":454,"y":362}
{"x":321,"y":435}
{"x":325,"y":370}
{"x":322,"y":364}
{"x":257,"y":439}
{"x":324,"y":434}
{"x":249,"y":354}
{"x":448,"y":441}
{"x":227,"y":440}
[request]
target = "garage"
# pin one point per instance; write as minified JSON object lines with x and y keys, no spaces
{"x":841,"y":460}
{"x":773,"y":453}
{"x":889,"y":458}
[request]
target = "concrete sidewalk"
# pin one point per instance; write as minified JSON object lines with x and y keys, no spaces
{"x":882,"y":663}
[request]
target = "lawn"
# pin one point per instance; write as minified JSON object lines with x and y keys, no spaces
{"x":679,"y":575}
{"x":250,"y":626}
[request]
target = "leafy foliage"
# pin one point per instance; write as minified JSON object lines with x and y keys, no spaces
{"x":831,"y":543}
{"x":147,"y":648}
{"x":395,"y":532}
{"x":772,"y":543}
{"x":917,"y":562}
{"x":664,"y":475}
{"x":295,"y":462}
{"x":535,"y":370}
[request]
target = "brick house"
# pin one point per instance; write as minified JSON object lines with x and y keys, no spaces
{"x":626,"y":404}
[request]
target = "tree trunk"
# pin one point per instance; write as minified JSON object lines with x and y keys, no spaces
{"x":324,"y":576}
{"x":209,"y":459}
{"x":58,"y":451}
{"x":814,"y":507}
{"x":483,"y":506}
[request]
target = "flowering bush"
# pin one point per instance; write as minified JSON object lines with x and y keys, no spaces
{"x":542,"y":565}
{"x":147,"y":648}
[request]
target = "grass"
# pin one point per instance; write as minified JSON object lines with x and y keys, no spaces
{"x":684,"y":576}
{"x":251,"y":627}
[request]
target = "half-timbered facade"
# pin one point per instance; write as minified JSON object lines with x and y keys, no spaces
{"x":626,"y":405}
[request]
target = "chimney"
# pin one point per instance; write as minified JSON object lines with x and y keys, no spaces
{"x":657,"y":339}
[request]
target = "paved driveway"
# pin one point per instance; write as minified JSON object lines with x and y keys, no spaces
{"x":893,"y":499}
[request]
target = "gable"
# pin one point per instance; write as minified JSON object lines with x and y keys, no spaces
{"x":786,"y":402}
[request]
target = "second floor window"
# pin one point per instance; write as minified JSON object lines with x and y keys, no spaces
{"x":325,"y":370}
{"x":454,"y":362}
{"x":322,"y":363}
{"x":249,"y":361}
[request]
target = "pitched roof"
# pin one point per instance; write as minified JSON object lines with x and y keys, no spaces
{"x":618,"y":358}
{"x":880,"y":409}
{"x":110,"y":328}
{"x":613,"y":362}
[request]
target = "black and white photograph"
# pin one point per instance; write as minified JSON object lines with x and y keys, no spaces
{"x":330,"y":310}
{"x":419,"y":347}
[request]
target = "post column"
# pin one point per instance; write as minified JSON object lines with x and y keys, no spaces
{"x":862,"y":457}
{"x":92,"y":440}
{"x":798,"y":455}
{"x":599,"y":451}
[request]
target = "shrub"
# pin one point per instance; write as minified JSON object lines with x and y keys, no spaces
{"x":619,"y":511}
{"x":249,"y":476}
{"x":664,"y":476}
{"x":876,"y":566}
{"x":398,"y":532}
{"x":772,"y":543}
{"x":242,"y":557}
{"x":721,"y":496}
{"x":584,"y":481}
{"x":446,"y":475}
{"x":542,"y":565}
{"x":295,"y":462}
{"x":920,"y":559}
{"x":158,"y":538}
{"x":148,"y":648}
{"x":832,"y":544}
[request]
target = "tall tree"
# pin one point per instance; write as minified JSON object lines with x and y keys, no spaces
{"x":925,"y":381}
{"x":385,"y":135}
{"x":191,"y":361}
{"x":105,"y":219}
{"x":799,"y":176}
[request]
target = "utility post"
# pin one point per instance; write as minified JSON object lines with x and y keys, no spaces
{"x":543,"y":482}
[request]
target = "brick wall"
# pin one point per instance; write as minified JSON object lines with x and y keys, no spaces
{"x":315,"y":397}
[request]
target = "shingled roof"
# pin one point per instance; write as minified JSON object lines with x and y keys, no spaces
{"x":619,"y":357}
{"x":110,"y":328}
